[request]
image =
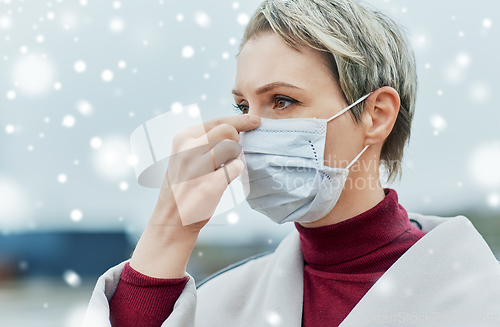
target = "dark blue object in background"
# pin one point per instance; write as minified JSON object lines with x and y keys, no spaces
{"x":50,"y":254}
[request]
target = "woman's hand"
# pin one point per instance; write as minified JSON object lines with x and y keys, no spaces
{"x":190,"y":193}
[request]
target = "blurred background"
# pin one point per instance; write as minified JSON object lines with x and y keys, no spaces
{"x":78,"y":76}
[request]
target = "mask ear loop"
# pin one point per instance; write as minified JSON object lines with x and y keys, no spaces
{"x":357,"y":157}
{"x":352,"y":105}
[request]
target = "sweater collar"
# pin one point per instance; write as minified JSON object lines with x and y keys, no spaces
{"x":356,"y":236}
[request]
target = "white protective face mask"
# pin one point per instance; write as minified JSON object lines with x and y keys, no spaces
{"x":287,"y":179}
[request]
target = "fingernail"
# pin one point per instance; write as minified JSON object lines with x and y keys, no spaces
{"x":254,"y":119}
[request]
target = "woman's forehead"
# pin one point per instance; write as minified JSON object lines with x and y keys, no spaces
{"x":267,"y":58}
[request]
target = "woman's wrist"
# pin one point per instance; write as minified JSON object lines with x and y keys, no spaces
{"x":163,"y":251}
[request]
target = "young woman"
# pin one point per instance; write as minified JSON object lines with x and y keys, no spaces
{"x":327,"y":92}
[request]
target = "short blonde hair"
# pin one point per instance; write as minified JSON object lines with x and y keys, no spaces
{"x":364,"y":49}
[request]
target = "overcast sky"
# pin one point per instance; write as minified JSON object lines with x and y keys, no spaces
{"x":77,"y":77}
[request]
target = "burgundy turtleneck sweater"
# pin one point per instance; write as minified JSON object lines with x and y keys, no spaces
{"x":341,"y":262}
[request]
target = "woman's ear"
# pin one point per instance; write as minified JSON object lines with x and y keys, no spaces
{"x":380,"y":113}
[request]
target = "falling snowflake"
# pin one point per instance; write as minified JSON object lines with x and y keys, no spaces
{"x":439,"y":123}
{"x":84,"y":107}
{"x":62,"y":178}
{"x":72,"y":278}
{"x":107,"y":75}
{"x":11,"y":95}
{"x":110,"y":160}
{"x":194,"y":112}
{"x":23,"y":265}
{"x":243,"y":19}
{"x":233,"y":218}
{"x":14,"y":204}
{"x":273,"y":318}
{"x":132,"y":160}
{"x":384,"y":285}
{"x":116,"y":25}
{"x":5,"y":22}
{"x":463,"y":60}
{"x":479,"y":92}
{"x":95,"y":142}
{"x":68,"y":121}
{"x":80,"y":66}
{"x":76,"y":215}
{"x":493,"y":200}
{"x":34,"y":74}
{"x":202,"y":19}
{"x":68,"y":20}
{"x":9,"y":129}
{"x":454,"y":73}
{"x":123,"y":186}
{"x":187,"y":51}
{"x":176,"y":107}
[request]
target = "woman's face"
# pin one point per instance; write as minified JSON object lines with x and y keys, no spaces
{"x":266,"y":64}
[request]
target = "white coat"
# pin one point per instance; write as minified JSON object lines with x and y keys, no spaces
{"x":449,"y":277}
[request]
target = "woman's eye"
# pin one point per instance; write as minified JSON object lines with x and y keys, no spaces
{"x":241,"y":108}
{"x":281,"y":102}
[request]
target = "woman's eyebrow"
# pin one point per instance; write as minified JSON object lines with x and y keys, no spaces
{"x":268,"y":87}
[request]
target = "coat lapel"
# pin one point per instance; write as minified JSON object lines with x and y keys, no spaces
{"x":285,"y":293}
{"x":267,"y":291}
{"x":449,"y":274}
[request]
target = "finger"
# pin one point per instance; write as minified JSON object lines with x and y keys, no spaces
{"x":223,"y":152}
{"x":196,"y":162}
{"x":206,"y":202}
{"x":221,"y":132}
{"x":189,"y":164}
{"x":233,"y":169}
{"x":239,"y":122}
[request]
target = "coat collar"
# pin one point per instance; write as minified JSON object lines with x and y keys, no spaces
{"x":449,"y":273}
